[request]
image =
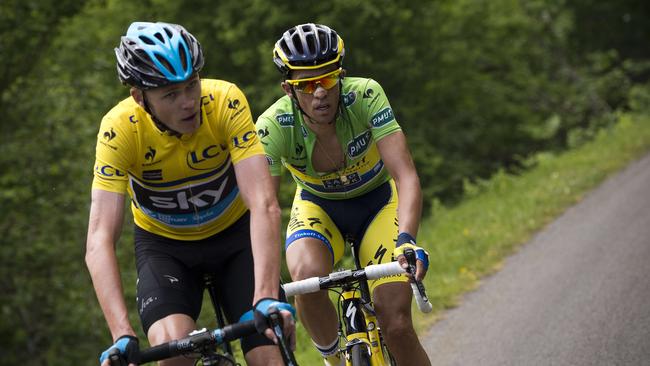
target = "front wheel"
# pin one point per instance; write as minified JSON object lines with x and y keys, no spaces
{"x":359,"y":355}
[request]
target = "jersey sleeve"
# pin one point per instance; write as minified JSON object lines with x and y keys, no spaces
{"x":112,"y":157}
{"x":240,"y":130}
{"x":272,"y":139}
{"x":380,"y":114}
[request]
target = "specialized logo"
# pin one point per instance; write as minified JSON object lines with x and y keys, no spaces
{"x":285,"y":119}
{"x":382,"y":117}
{"x":246,"y":140}
{"x":109,"y":171}
{"x":233,"y":104}
{"x":349,"y":99}
{"x":109,"y":135}
{"x":379,"y":254}
{"x":351,"y":314}
{"x":359,"y":144}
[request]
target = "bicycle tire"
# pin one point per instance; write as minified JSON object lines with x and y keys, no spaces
{"x":359,"y":355}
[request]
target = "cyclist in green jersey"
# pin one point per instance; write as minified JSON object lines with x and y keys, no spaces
{"x":186,"y":152}
{"x":338,"y":137}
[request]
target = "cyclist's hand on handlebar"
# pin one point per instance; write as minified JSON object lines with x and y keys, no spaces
{"x":406,"y":241}
{"x":261,"y":311}
{"x":123,"y":352}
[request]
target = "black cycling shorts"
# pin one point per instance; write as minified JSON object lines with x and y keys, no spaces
{"x":171,"y":275}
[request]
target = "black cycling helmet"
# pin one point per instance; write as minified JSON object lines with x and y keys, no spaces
{"x":157,"y":54}
{"x":308,"y":46}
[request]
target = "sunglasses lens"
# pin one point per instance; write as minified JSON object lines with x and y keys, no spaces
{"x":309,"y":86}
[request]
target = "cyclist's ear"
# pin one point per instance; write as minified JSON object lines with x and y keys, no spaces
{"x":138,"y":96}
{"x":287,"y":89}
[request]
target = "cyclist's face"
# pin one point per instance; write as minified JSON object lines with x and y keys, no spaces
{"x":178,"y":106}
{"x":322,"y":104}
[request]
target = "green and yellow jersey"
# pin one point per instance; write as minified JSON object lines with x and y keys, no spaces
{"x":365,"y":118}
{"x":181,"y":187}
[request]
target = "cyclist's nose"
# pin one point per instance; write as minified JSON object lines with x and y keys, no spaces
{"x":188,"y":101}
{"x":320,"y":92}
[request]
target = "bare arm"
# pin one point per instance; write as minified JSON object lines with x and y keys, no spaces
{"x":104,"y":227}
{"x":257,"y":190}
{"x":397,"y":158}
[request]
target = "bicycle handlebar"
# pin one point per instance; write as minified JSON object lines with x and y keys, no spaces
{"x":371,"y":272}
{"x":195,"y":341}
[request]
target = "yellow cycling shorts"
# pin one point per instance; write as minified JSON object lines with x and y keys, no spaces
{"x":370,"y":220}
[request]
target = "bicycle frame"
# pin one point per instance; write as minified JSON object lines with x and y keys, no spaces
{"x":361,"y":325}
{"x":359,"y":317}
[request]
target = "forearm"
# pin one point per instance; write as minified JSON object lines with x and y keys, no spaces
{"x":265,"y":239}
{"x":409,"y":208}
{"x":104,"y":271}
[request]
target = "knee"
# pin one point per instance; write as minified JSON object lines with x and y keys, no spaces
{"x":396,"y":325}
{"x":308,"y":258}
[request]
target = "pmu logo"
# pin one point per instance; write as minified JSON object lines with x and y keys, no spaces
{"x":109,"y":135}
{"x":150,"y":155}
{"x":382,"y":117}
{"x":285,"y":119}
{"x":196,"y":159}
{"x":359,"y":144}
{"x":108,"y":171}
{"x":233,"y":104}
{"x":349,"y":99}
{"x":246,"y":140}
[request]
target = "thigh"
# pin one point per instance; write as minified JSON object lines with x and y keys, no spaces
{"x":310,"y":227}
{"x":378,"y":242}
{"x":165,"y":287}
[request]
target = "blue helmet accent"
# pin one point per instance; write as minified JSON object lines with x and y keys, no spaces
{"x":151,"y":55}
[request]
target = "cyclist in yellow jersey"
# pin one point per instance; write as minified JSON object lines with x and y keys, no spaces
{"x":339,"y":139}
{"x":186,"y":152}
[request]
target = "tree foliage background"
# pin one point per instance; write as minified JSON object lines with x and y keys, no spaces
{"x":478,"y":86}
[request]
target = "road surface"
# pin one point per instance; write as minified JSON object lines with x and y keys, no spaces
{"x":577,"y":294}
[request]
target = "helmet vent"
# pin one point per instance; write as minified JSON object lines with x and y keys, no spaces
{"x":146,"y":40}
{"x":184,"y":58}
{"x":164,"y":63}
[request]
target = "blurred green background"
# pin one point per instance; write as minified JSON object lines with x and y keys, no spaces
{"x":479,"y":86}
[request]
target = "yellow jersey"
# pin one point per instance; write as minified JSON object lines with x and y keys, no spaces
{"x":181,"y":186}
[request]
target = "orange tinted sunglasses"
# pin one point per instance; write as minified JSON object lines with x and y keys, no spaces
{"x":309,"y":85}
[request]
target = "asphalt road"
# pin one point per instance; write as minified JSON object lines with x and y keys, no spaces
{"x":577,"y":294}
